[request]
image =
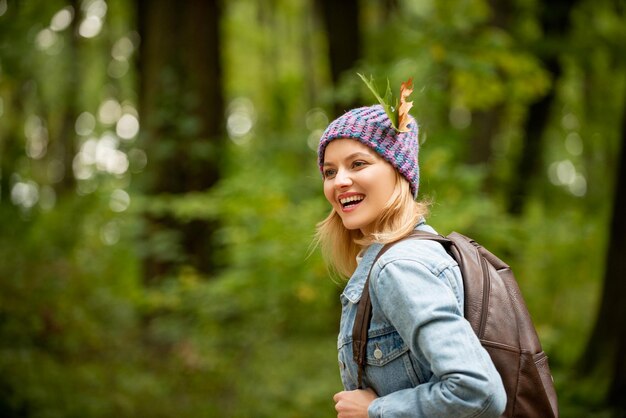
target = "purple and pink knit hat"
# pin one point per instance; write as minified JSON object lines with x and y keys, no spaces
{"x":371,"y":126}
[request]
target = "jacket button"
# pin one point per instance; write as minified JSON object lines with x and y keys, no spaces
{"x":378,"y":354}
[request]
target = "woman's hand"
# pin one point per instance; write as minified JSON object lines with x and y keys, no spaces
{"x":354,"y":403}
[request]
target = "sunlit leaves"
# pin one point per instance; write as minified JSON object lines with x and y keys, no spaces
{"x":489,"y":77}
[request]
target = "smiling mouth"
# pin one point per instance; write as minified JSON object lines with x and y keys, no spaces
{"x":351,"y":201}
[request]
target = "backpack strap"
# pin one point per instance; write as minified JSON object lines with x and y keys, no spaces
{"x":364,"y":309}
{"x":362,"y":323}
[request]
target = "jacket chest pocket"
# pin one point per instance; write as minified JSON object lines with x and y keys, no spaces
{"x":390,"y":364}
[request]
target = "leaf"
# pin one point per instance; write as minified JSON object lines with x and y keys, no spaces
{"x":398,"y":113}
{"x":406,"y":89}
{"x":384,"y":102}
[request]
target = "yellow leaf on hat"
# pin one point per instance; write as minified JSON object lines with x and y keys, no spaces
{"x":406,"y":89}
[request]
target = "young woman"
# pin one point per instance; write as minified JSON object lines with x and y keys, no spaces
{"x":424,"y":360}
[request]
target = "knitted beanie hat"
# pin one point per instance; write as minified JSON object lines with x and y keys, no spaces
{"x":371,"y":126}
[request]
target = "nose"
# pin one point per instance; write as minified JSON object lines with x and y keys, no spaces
{"x":342,"y":179}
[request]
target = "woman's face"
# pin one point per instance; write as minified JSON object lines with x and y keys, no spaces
{"x":357,"y":182}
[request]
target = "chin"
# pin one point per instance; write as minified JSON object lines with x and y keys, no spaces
{"x":351,"y":225}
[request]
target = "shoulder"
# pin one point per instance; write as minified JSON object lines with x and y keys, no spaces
{"x":421,"y":253}
{"x":418,"y":262}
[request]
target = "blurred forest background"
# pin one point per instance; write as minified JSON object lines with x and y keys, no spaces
{"x":159,"y":190}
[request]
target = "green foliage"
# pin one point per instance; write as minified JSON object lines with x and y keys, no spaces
{"x":84,"y":333}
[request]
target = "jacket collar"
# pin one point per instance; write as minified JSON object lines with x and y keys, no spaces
{"x":354,"y":288}
{"x":355,"y":285}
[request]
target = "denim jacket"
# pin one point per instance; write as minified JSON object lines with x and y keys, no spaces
{"x":423,"y":359}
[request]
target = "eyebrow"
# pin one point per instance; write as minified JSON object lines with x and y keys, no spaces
{"x":352,"y":156}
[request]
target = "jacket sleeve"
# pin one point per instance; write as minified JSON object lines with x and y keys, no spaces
{"x":422,"y":307}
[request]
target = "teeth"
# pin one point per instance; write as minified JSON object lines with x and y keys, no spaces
{"x":351,"y":199}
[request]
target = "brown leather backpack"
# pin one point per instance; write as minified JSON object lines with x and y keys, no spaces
{"x":498,"y":315}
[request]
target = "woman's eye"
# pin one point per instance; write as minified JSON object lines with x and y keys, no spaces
{"x":330,"y":172}
{"x":358,"y":164}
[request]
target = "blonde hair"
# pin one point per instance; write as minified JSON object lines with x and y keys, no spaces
{"x":340,"y":246}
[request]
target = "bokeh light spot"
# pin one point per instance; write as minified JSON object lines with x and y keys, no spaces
{"x":90,"y":27}
{"x":574,"y":144}
{"x":240,"y":120}
{"x":25,"y":194}
{"x":109,"y":111}
{"x":96,"y":8}
{"x":120,"y":200}
{"x":45,"y":39}
{"x":578,"y":187}
{"x":127,"y":126}
{"x":36,"y":137}
{"x":62,"y":19}
{"x":122,"y":49}
{"x":118,"y":68}
{"x":137,"y":159}
{"x":315,"y":119}
{"x":85,"y":124}
{"x":110,"y":233}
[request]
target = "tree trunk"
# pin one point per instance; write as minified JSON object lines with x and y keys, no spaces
{"x":555,"y":21}
{"x":529,"y":162}
{"x":181,"y":111}
{"x":486,"y":123}
{"x":485,"y":126}
{"x":607,"y":344}
{"x":341,"y":19}
{"x":617,"y":391}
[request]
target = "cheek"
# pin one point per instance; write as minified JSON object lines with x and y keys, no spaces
{"x":386,"y":182}
{"x":329,"y":192}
